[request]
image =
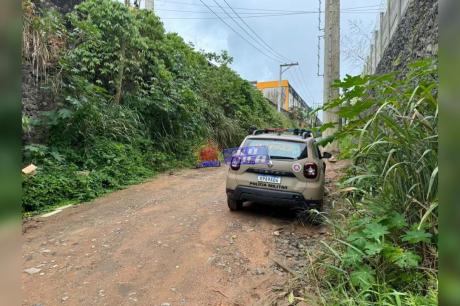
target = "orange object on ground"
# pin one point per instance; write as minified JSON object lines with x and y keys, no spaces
{"x":209,"y":153}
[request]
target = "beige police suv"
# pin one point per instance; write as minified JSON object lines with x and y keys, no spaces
{"x":291,"y":176}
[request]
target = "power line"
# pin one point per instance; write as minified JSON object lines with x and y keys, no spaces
{"x":306,"y":84}
{"x":237,"y":33}
{"x":245,"y":17}
{"x":302,"y":85}
{"x":244,"y":30}
{"x":265,"y":13}
{"x":255,"y":16}
{"x":207,"y":12}
{"x":298,"y":85}
{"x":263,"y":9}
{"x":302,"y":89}
{"x":237,"y":8}
{"x":258,"y":36}
{"x":362,"y":7}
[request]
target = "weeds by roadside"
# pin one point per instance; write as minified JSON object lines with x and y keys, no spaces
{"x":383,"y":249}
{"x":129,"y":100}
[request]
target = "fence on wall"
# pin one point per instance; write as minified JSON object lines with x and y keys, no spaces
{"x":386,"y":27}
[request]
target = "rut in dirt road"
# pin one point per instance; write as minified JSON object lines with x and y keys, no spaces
{"x":170,"y":240}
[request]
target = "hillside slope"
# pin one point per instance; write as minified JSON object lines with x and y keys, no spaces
{"x":121,"y":99}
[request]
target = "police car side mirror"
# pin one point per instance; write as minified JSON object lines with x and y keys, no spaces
{"x":326,"y":155}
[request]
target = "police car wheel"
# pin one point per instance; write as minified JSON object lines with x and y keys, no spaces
{"x":234,"y":205}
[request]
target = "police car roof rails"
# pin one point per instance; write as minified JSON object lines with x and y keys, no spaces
{"x":269,"y":130}
{"x":301,"y":132}
{"x":296,"y":131}
{"x":306,"y":134}
{"x":252,"y":129}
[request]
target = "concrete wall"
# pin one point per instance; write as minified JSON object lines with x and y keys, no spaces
{"x":407,"y":30}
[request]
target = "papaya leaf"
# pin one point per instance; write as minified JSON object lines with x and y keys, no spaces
{"x":326,"y":140}
{"x":373,"y":248}
{"x":357,"y":239}
{"x":375,"y":231}
{"x":396,"y":221}
{"x":416,"y":236}
{"x":407,"y":260}
{"x":351,"y":257}
{"x":363,"y":277}
{"x":326,"y":126}
{"x":351,"y":111}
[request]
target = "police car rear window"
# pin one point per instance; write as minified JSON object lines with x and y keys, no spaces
{"x":280,"y":149}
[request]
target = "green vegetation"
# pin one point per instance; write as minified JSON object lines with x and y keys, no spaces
{"x":384,"y":246}
{"x":131,"y":100}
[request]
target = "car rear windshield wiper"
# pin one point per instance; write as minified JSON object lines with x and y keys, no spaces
{"x":280,"y":157}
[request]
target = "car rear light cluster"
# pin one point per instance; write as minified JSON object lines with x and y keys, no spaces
{"x":310,"y":170}
{"x":235,"y":163}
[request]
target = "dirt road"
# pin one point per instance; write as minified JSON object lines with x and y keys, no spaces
{"x":169,"y":241}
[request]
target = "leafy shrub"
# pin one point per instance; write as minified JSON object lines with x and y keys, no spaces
{"x":132,"y":100}
{"x":63,"y":177}
{"x":385,"y":252}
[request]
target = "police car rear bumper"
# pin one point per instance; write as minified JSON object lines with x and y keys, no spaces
{"x":272,"y":197}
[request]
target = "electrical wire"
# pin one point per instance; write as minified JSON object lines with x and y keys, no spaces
{"x":258,"y":36}
{"x":374,"y":6}
{"x":207,"y":12}
{"x":256,"y":16}
{"x":297,"y":85}
{"x":302,"y":85}
{"x":251,"y":37}
{"x":255,"y":40}
{"x":237,"y":33}
{"x":223,"y":17}
{"x":369,"y":7}
{"x":266,"y":13}
{"x":237,"y":8}
{"x":301,"y":73}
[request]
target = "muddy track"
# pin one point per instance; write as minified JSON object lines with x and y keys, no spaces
{"x":169,"y":241}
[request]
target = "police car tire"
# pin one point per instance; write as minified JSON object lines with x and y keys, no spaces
{"x":234,"y":205}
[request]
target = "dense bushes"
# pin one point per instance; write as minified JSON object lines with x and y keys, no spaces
{"x":384,"y":250}
{"x":131,"y":100}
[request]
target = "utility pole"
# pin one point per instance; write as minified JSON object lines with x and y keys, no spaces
{"x":149,"y":5}
{"x":331,"y":65}
{"x":283,"y":68}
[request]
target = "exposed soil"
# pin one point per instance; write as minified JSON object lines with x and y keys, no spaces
{"x":169,"y":241}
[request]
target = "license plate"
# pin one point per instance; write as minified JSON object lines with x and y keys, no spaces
{"x":269,"y":179}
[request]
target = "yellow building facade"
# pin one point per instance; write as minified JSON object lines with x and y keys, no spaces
{"x":289,"y":97}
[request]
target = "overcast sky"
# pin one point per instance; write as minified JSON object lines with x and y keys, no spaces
{"x":293,"y":36}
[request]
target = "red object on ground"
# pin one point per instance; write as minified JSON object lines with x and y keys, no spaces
{"x":209,"y":153}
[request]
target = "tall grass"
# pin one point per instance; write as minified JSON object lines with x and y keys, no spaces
{"x":384,"y":246}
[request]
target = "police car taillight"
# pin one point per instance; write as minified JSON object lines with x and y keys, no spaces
{"x":235,"y":163}
{"x":310,"y":170}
